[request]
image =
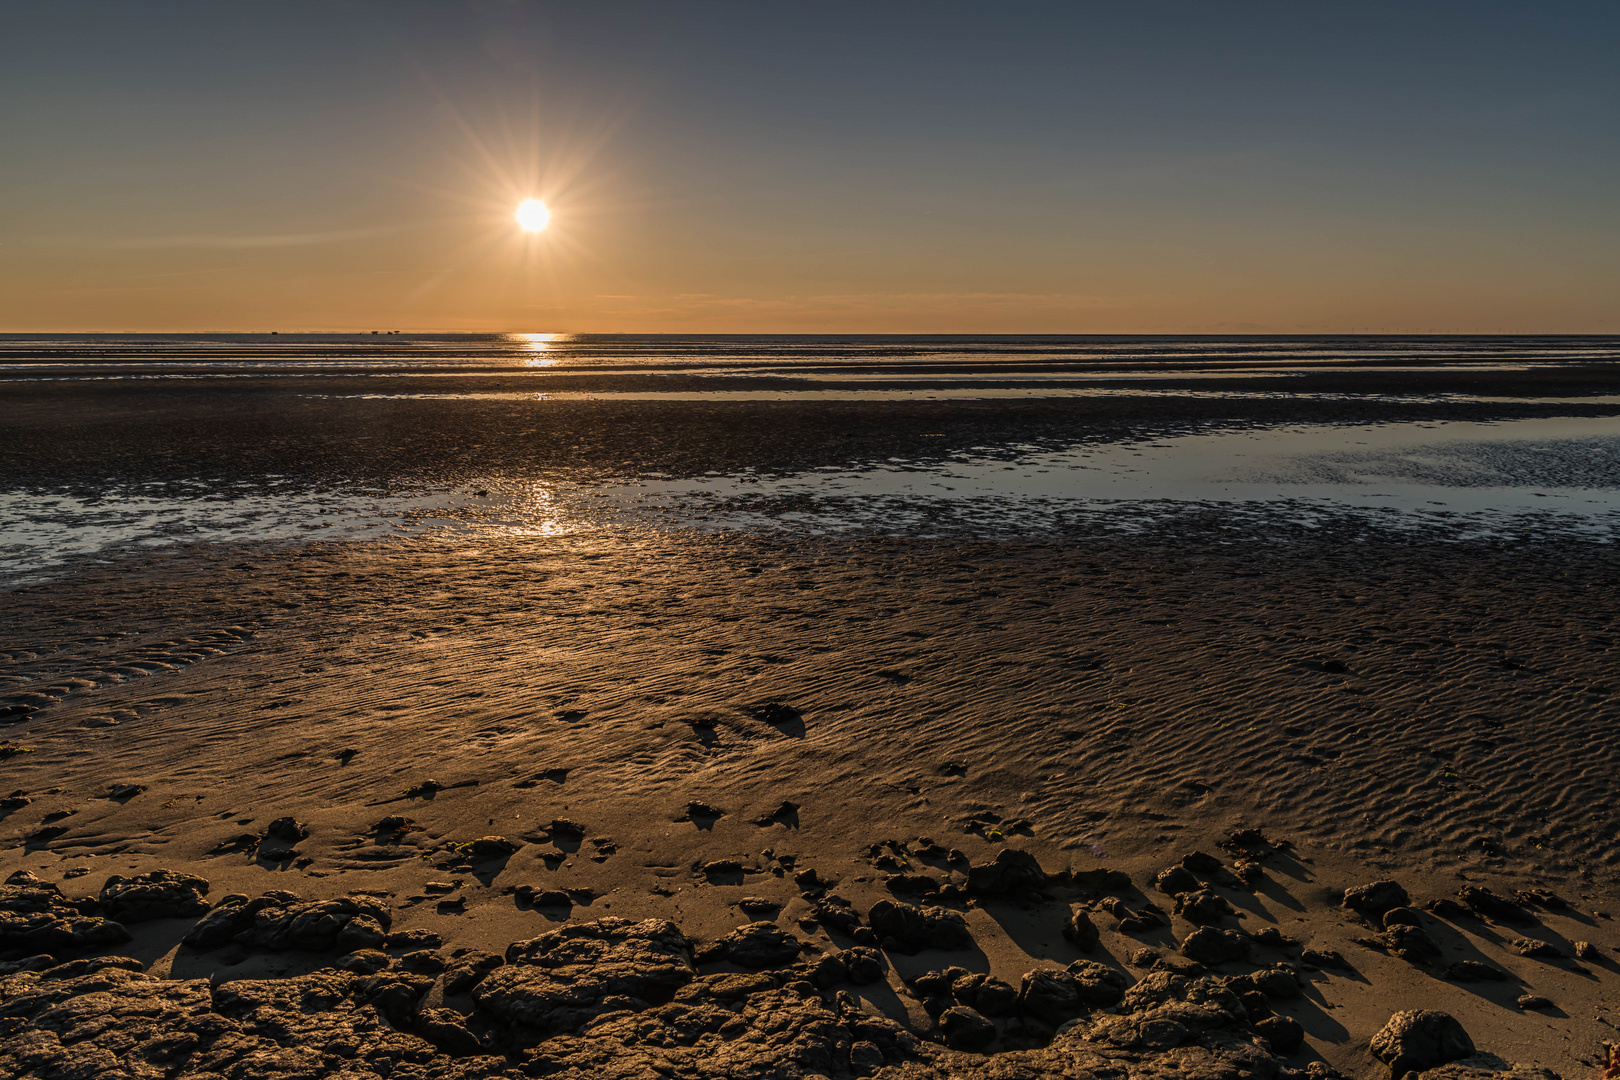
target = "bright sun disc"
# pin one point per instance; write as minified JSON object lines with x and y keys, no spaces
{"x":532,"y":215}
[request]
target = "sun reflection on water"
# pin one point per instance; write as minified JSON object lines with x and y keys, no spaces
{"x":537,"y":344}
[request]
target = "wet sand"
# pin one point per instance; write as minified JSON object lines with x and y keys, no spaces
{"x":1378,"y":706}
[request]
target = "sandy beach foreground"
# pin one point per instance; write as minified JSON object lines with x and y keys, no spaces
{"x":884,"y":758}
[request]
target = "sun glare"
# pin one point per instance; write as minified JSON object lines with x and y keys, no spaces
{"x":532,"y":215}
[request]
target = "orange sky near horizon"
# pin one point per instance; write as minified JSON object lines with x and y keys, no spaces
{"x":943,"y":171}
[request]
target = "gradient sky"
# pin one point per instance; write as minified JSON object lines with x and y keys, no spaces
{"x":754,"y":166}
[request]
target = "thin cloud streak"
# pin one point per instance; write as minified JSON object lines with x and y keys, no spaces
{"x":244,"y":243}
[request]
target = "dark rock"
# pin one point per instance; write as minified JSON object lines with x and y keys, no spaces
{"x":865,"y":966}
{"x":422,"y":962}
{"x":1284,"y":1033}
{"x":1276,"y":982}
{"x":1271,"y":938}
{"x":1050,"y":996}
{"x":125,"y":792}
{"x":935,"y":983}
{"x":287,"y":829}
{"x":1400,"y":916}
{"x":1447,"y":908}
{"x":1208,"y":868}
{"x":413,"y":939}
{"x":1096,"y":881}
{"x":1026,"y":1033}
{"x":1474,"y":971}
{"x":1486,"y":904}
{"x":1375,"y":899}
{"x":1177,"y":880}
{"x":361,"y":932}
{"x":1542,"y":898}
{"x":491,"y":847}
{"x":559,"y":981}
{"x":1080,"y":930}
{"x":828,"y":971}
{"x":1202,"y":907}
{"x":1011,"y":873}
{"x":363,"y":962}
{"x":1207,"y":945}
{"x":281,"y":920}
{"x":1056,"y":996}
{"x":1543,"y":950}
{"x":447,"y":1029}
{"x":468,"y":969}
{"x":161,"y":894}
{"x":864,"y":1057}
{"x":966,"y":1030}
{"x":602,"y":1000}
{"x":761,"y":945}
{"x":35,"y":918}
{"x":1585,"y":950}
{"x":1419,"y":1040}
{"x":835,"y":913}
{"x":1412,"y":944}
{"x":1534,"y":1001}
{"x":1099,"y":985}
{"x":542,"y":898}
{"x":919,"y":928}
{"x":921,"y":885}
{"x":73,"y":969}
{"x":758,"y":905}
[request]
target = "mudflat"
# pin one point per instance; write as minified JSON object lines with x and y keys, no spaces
{"x":633,"y":800}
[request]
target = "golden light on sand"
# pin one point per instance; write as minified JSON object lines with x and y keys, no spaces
{"x":532,"y":215}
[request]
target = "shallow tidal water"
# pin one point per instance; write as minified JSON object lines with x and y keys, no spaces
{"x":1521,"y":478}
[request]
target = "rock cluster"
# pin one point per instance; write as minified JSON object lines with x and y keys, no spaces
{"x":36,"y":918}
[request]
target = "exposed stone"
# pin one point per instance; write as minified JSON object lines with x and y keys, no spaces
{"x":1207,"y":945}
{"x":609,"y":1000}
{"x":1080,"y":930}
{"x":1543,"y":950}
{"x":1401,"y":916}
{"x":1418,"y":1040}
{"x":1412,"y":944}
{"x":36,"y":918}
{"x":1284,"y":1033}
{"x":281,"y":920}
{"x":491,"y":847}
{"x":558,"y":981}
{"x":161,"y":894}
{"x":1202,"y":907}
{"x":1481,"y":901}
{"x":965,"y":1029}
{"x":761,"y":945}
{"x":1177,"y":880}
{"x":1375,"y":899}
{"x":1012,"y":873}
{"x":919,"y":928}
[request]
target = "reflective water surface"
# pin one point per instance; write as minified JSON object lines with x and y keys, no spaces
{"x":1512,"y":478}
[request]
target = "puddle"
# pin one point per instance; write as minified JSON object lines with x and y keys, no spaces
{"x":1548,"y":477}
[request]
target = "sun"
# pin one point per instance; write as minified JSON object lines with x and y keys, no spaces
{"x":532,"y":215}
